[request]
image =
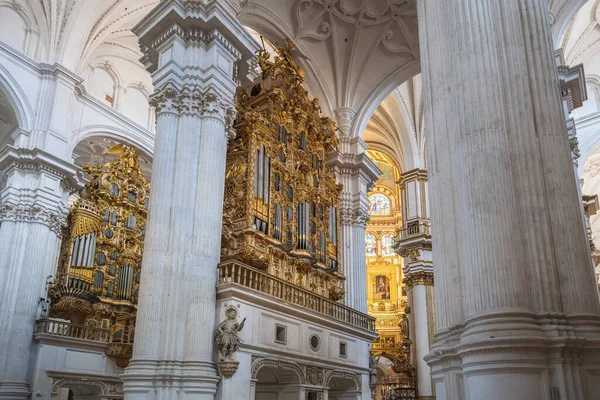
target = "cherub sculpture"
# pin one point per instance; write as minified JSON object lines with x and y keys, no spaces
{"x":226,"y":335}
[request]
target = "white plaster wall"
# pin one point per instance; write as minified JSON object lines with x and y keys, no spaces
{"x":68,"y":358}
{"x":12,"y":28}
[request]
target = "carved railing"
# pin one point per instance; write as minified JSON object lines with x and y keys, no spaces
{"x":241,"y":274}
{"x":67,"y":329}
{"x":423,"y":227}
{"x":385,"y":347}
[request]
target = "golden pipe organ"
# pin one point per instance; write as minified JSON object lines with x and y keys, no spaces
{"x":281,"y":200}
{"x":99,"y":268}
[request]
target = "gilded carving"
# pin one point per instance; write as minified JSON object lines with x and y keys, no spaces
{"x":418,"y":278}
{"x":281,"y":211}
{"x":100,"y":261}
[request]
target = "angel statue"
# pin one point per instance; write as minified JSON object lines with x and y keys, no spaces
{"x":226,"y":335}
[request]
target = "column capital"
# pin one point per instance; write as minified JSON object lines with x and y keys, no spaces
{"x":345,"y":118}
{"x":358,"y":174}
{"x":196,"y":101}
{"x":38,"y":187}
{"x":418,"y":278}
{"x":416,"y":174}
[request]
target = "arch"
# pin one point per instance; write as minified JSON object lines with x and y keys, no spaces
{"x":113,"y":74}
{"x":371,"y":248}
{"x":144,"y":144}
{"x":379,"y":94}
{"x":379,"y":204}
{"x":135,"y":104}
{"x":389,"y":246}
{"x":562,"y":16}
{"x":332,"y":374}
{"x":141,"y":88}
{"x":260,"y":363}
{"x":97,"y":387}
{"x":389,"y":193}
{"x":31,"y":34}
{"x":15,"y":95}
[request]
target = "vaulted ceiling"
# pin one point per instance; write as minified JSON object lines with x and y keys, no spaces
{"x":355,"y":52}
{"x":71,"y":31}
{"x":581,"y":41}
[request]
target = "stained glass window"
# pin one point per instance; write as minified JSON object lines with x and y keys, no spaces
{"x":370,"y":244}
{"x":387,"y":244}
{"x":379,"y":205}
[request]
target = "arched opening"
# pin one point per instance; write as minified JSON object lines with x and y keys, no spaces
{"x":85,"y":389}
{"x":276,"y":380}
{"x":392,"y":380}
{"x":343,"y":388}
{"x":8,"y":120}
{"x":94,"y":149}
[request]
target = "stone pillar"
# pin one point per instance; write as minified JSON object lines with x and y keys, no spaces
{"x":517,"y":315}
{"x":414,"y":245}
{"x":357,"y":173}
{"x":193,"y":51}
{"x":33,"y":210}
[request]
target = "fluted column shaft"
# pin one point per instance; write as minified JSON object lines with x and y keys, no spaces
{"x":511,"y":263}
{"x":33,"y":209}
{"x":357,"y":174}
{"x":354,"y":259}
{"x":195,"y":77}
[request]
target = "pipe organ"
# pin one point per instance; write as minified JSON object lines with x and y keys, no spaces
{"x":99,"y":268}
{"x":281,"y":200}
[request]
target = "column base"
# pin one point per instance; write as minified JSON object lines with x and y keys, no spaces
{"x":164,"y":380}
{"x":516,"y":355}
{"x":14,"y":391}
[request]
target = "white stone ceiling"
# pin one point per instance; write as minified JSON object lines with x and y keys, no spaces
{"x":72,"y":30}
{"x":581,"y":41}
{"x":355,"y":52}
{"x":396,"y":127}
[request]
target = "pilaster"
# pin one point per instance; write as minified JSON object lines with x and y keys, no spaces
{"x":194,"y":51}
{"x":414,"y":244}
{"x":33,"y":210}
{"x":357,"y":173}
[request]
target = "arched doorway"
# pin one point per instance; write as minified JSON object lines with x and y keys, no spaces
{"x":277,"y":380}
{"x":342,"y":386}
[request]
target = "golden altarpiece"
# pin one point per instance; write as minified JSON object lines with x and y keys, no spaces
{"x":281,"y":200}
{"x":96,"y":286}
{"x":385,"y":292}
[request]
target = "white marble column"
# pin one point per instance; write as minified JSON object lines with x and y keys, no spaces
{"x":413,"y":243}
{"x":194,"y":67}
{"x":33,"y":210}
{"x":517,"y":315}
{"x":357,"y":173}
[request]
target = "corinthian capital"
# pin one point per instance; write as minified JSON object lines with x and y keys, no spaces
{"x":166,"y":100}
{"x":215,"y":106}
{"x":33,"y":214}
